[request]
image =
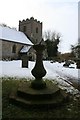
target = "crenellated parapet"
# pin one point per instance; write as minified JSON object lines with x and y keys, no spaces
{"x":32,"y":28}
{"x":29,"y":20}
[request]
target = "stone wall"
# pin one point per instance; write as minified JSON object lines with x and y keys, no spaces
{"x":7,"y":50}
{"x":32,"y":28}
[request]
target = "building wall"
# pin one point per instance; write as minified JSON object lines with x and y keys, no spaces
{"x":7,"y":50}
{"x":32,"y":28}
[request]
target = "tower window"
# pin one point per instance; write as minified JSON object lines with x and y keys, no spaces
{"x":36,"y":41}
{"x":14,"y":49}
{"x":37,"y":30}
{"x":24,"y":29}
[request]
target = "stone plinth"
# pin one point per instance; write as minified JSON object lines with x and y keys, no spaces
{"x":27,"y":96}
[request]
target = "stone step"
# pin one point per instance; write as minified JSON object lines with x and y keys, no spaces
{"x":27,"y":92}
{"x":57,"y":101}
{"x":26,"y":96}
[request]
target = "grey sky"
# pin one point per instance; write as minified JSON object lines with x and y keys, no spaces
{"x":58,"y":15}
{"x":79,"y":21}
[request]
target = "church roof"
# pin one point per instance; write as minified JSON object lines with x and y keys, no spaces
{"x":12,"y":35}
{"x":25,"y":49}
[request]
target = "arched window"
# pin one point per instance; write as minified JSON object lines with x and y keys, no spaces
{"x":14,"y":49}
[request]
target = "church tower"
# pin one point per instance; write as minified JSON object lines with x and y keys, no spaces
{"x":32,"y":29}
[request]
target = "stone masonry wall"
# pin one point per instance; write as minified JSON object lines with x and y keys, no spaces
{"x":29,"y":27}
{"x":7,"y":52}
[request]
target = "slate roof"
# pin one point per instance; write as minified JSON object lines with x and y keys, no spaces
{"x":12,"y":35}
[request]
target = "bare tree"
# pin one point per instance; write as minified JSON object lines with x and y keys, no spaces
{"x":48,"y":35}
{"x":5,"y":25}
{"x":52,"y":40}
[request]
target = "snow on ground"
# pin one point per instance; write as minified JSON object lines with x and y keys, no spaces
{"x":55,"y":71}
{"x":59,"y":69}
{"x":14,"y":69}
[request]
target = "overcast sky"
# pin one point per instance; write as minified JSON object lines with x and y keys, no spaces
{"x":58,"y":15}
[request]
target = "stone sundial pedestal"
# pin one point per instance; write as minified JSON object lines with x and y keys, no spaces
{"x":38,"y":92}
{"x":38,"y":71}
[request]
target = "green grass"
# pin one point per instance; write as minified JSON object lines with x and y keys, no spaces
{"x":68,"y":110}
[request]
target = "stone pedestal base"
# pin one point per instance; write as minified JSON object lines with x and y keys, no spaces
{"x":38,"y":84}
{"x":27,"y":96}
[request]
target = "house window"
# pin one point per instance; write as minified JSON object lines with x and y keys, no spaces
{"x":37,"y":30}
{"x":14,"y":49}
{"x":24,"y":29}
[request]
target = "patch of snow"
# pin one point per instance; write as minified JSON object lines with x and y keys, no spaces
{"x":72,"y":65}
{"x":0,"y":68}
{"x":25,"y":49}
{"x":60,"y":70}
{"x":66,"y":86}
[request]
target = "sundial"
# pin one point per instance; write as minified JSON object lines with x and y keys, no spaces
{"x":38,"y":92}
